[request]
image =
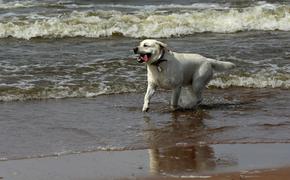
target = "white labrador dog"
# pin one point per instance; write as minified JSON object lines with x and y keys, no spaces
{"x":172,"y":70}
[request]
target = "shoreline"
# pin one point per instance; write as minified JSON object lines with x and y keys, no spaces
{"x":212,"y":162}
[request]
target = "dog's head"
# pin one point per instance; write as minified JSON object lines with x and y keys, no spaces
{"x":149,"y":51}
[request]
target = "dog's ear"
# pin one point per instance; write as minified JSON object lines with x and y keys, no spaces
{"x":161,"y":44}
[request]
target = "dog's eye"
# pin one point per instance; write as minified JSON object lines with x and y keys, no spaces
{"x":145,"y":45}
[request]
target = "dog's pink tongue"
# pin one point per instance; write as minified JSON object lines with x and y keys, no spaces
{"x":145,"y":58}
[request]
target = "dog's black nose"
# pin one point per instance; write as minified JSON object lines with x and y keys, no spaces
{"x":135,"y":50}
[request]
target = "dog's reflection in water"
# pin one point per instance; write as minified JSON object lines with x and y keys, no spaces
{"x":169,"y":154}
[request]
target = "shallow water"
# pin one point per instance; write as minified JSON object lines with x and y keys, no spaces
{"x":57,"y":127}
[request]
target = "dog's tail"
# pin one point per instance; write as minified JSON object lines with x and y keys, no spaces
{"x":221,"y":65}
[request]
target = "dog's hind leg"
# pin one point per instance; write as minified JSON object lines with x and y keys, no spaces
{"x":200,"y":80}
{"x":188,"y":99}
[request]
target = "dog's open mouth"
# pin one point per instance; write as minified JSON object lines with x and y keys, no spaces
{"x":144,"y":57}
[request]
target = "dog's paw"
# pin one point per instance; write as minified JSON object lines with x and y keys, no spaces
{"x":145,"y":109}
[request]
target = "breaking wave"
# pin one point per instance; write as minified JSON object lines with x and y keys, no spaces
{"x":151,"y":22}
{"x":255,"y":81}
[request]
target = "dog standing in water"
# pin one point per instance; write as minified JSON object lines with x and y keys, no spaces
{"x":172,"y":70}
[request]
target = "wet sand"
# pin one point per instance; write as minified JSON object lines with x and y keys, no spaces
{"x":234,"y":133}
{"x":236,"y":161}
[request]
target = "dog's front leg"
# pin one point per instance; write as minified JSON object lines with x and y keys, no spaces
{"x":174,"y":98}
{"x":149,"y":93}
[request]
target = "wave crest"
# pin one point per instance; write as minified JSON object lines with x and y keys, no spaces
{"x":154,"y":24}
